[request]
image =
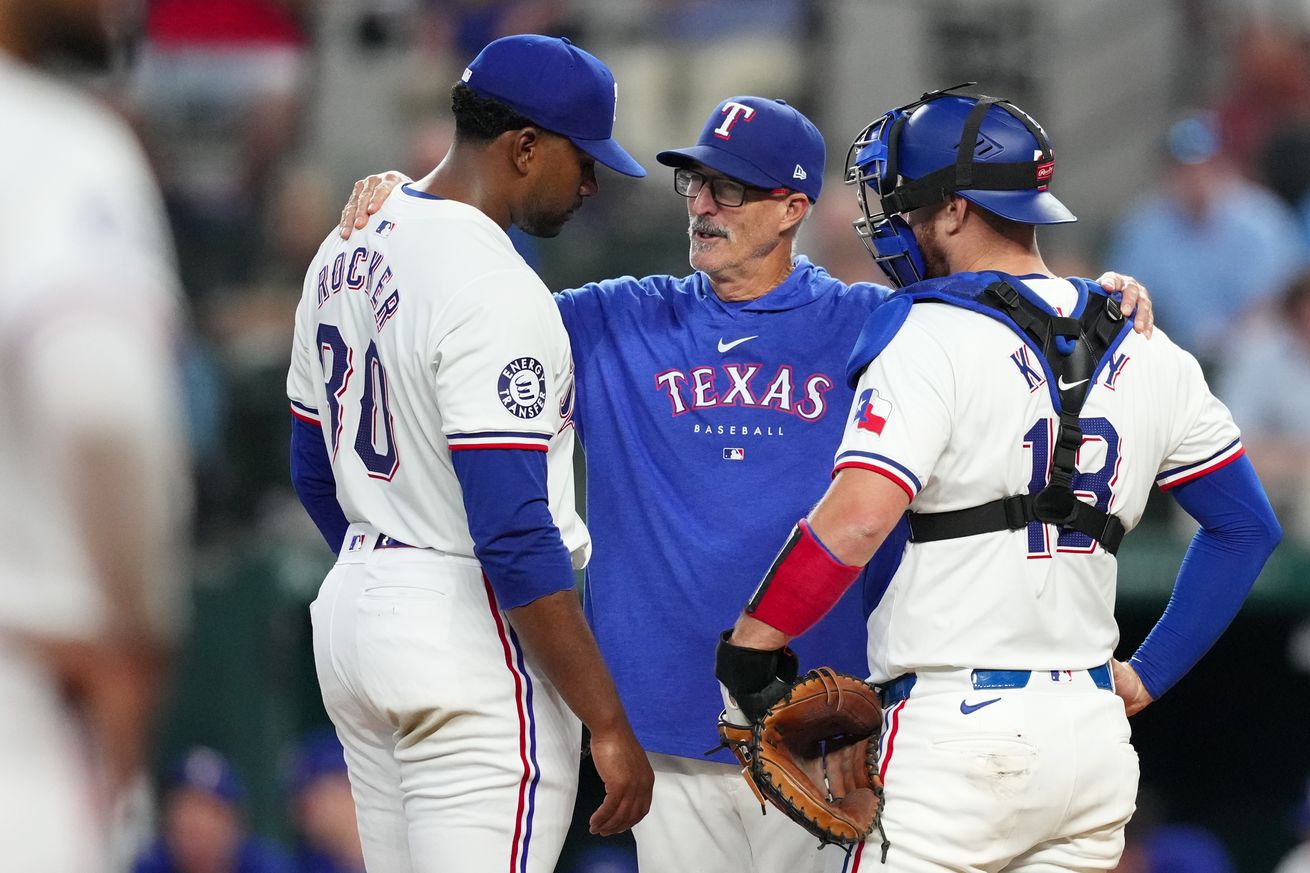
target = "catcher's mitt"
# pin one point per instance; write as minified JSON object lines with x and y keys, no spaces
{"x":814,"y":755}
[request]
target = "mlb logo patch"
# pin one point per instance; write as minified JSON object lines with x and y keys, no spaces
{"x":384,"y":227}
{"x":356,"y":543}
{"x":734,"y":454}
{"x":873,"y":412}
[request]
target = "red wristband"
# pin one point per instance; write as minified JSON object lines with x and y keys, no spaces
{"x":805,"y":581}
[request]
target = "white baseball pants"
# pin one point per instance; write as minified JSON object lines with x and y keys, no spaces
{"x":48,"y":813}
{"x":461,"y":756}
{"x":1035,"y":779}
{"x":704,"y":818}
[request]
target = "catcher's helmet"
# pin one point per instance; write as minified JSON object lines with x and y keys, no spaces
{"x":919,"y":155}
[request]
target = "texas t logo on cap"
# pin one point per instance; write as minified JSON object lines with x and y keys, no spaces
{"x":763,"y":143}
{"x":733,"y":111}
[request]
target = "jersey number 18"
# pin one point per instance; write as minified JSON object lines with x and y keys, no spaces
{"x":1095,"y":487}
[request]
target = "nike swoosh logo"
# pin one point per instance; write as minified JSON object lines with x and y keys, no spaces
{"x":724,"y":347}
{"x":966,"y":708}
{"x":1065,"y":386}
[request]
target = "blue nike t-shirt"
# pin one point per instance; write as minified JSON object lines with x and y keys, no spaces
{"x":709,"y":430}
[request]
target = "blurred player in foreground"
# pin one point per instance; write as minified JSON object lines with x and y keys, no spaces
{"x":432,"y":384}
{"x":1004,"y":745}
{"x":92,"y":466}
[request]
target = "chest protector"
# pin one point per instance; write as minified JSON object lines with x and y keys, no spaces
{"x":1072,"y":350}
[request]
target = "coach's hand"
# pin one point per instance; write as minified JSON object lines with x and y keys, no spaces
{"x":1135,"y":298}
{"x":367,"y":198}
{"x":1128,"y":685}
{"x":628,"y":778}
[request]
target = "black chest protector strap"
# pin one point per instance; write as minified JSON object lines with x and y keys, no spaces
{"x":1056,"y":503}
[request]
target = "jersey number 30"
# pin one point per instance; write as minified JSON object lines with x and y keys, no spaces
{"x":1093,"y":486}
{"x":338,"y":361}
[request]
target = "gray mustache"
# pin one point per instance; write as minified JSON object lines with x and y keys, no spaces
{"x":706,"y":228}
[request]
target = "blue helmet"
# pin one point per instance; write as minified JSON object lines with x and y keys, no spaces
{"x":917,"y":156}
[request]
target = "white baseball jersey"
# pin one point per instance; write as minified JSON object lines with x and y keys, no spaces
{"x":424,"y":335}
{"x":956,"y":410}
{"x":88,"y":301}
{"x":87,"y":306}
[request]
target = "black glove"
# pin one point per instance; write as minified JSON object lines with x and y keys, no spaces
{"x":755,"y":679}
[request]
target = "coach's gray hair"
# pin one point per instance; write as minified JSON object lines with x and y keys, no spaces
{"x":796,"y":232}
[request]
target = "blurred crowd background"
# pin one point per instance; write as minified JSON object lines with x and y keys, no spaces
{"x":1182,"y":129}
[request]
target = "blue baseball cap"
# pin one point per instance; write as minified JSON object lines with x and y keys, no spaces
{"x":204,"y":769}
{"x":557,"y":85}
{"x":318,"y":754}
{"x":1194,"y":140}
{"x":1186,"y":849}
{"x":764,"y":143}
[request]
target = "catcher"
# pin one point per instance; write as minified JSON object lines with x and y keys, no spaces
{"x":1022,"y":424}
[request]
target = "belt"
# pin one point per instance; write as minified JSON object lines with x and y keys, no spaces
{"x":899,"y":688}
{"x":355,"y":543}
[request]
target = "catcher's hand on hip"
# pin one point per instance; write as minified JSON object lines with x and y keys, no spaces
{"x":1128,"y":685}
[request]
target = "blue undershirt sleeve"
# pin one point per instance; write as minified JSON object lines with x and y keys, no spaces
{"x":312,"y":479}
{"x":1238,"y":533}
{"x":883,"y":565}
{"x":514,"y":534}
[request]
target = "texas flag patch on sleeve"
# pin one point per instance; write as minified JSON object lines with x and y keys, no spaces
{"x":872,"y":412}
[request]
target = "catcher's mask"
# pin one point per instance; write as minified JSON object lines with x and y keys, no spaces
{"x":919,"y":155}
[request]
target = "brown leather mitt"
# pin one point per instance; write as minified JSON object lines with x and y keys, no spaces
{"x":814,"y":755}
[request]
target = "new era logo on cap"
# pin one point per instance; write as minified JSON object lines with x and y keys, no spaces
{"x":764,"y":143}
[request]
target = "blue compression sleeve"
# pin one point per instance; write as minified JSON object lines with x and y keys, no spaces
{"x":1238,"y":533}
{"x":311,"y":477}
{"x":514,"y":535}
{"x":883,"y":565}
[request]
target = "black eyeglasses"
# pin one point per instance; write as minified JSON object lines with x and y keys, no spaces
{"x":725,"y":191}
